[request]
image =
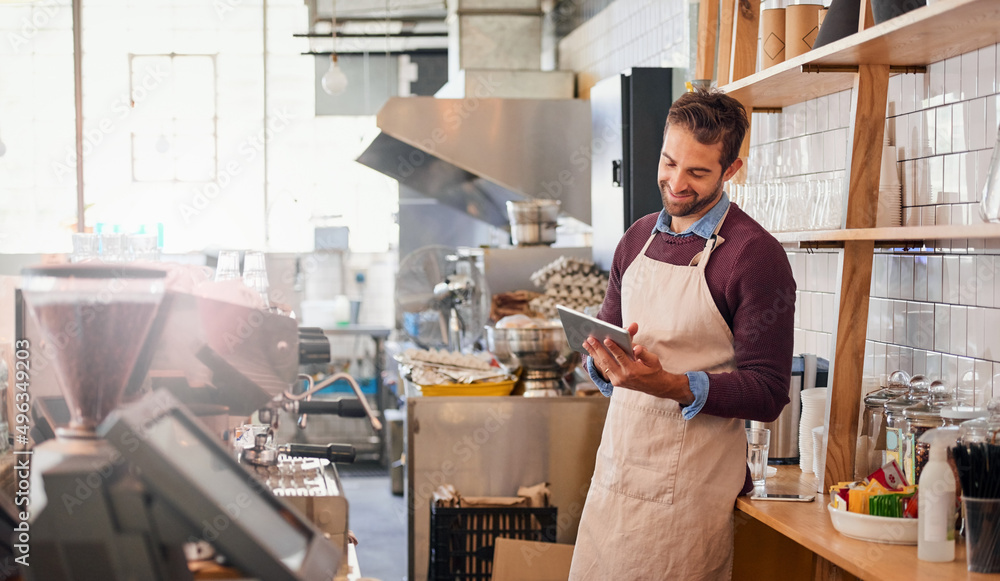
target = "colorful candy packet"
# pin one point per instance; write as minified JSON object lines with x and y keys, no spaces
{"x":884,"y":493}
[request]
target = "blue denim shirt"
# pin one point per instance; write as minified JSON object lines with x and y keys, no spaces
{"x":698,"y":380}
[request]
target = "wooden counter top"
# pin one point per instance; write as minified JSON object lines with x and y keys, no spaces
{"x":808,"y":524}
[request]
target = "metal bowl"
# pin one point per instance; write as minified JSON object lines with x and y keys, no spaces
{"x":530,"y":348}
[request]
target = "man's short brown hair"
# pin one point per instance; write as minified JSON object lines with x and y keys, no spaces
{"x":712,"y":117}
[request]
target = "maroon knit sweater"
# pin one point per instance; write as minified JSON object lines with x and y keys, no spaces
{"x":752,"y":285}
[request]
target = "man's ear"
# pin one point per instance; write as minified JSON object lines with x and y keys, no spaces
{"x":735,"y":167}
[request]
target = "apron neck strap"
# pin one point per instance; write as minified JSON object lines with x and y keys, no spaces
{"x":701,"y":259}
{"x":710,"y":244}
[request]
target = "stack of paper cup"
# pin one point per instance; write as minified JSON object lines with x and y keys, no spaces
{"x":819,"y":449}
{"x":813,"y":415}
{"x":890,"y":191}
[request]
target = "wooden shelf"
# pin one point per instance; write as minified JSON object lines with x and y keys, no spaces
{"x":931,"y":34}
{"x":808,"y":524}
{"x":901,"y":234}
{"x":923,"y":36}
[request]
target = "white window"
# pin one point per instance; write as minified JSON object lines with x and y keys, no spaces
{"x":174,"y":131}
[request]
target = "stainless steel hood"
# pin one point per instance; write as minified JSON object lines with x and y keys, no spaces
{"x":475,"y":154}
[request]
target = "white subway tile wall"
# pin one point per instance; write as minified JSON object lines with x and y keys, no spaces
{"x":936,"y":310}
{"x":928,"y":313}
{"x":628,"y":33}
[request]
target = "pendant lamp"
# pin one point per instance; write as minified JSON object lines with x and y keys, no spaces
{"x":334,"y":81}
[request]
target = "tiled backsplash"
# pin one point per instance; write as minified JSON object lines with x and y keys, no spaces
{"x":930,"y":313}
{"x":944,"y":125}
{"x":815,"y":301}
{"x":933,"y":311}
{"x":628,"y":33}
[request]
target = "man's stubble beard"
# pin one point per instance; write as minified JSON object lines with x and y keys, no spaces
{"x":679,"y":210}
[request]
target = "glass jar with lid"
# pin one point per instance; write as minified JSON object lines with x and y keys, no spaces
{"x":895,"y":425}
{"x":870,"y":454}
{"x":984,"y":429}
{"x":958,"y":414}
{"x":919,"y":418}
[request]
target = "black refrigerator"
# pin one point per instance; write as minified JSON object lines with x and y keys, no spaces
{"x":628,"y":113}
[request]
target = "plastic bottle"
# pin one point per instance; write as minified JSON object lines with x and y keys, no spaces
{"x":342,"y":310}
{"x":936,"y":509}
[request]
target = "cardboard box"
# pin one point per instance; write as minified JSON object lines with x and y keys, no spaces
{"x":515,"y":560}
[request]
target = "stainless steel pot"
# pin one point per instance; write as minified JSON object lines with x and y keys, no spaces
{"x":533,"y":234}
{"x":533,"y":222}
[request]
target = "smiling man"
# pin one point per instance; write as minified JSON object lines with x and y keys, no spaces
{"x":708,"y":297}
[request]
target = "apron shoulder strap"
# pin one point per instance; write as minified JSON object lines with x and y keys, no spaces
{"x":713,"y":242}
{"x":645,"y":246}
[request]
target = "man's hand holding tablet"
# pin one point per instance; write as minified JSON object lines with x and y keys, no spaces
{"x":578,"y":327}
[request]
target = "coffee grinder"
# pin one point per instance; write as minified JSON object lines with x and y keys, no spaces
{"x":120,"y":492}
{"x":95,"y":318}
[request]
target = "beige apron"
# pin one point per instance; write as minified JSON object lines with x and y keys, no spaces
{"x":661,"y":501}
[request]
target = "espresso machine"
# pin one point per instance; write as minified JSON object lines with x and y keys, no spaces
{"x":129,"y":492}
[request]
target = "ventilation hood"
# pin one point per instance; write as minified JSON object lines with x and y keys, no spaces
{"x":475,"y":154}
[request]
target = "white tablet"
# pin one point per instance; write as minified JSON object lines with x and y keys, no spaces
{"x":579,"y":326}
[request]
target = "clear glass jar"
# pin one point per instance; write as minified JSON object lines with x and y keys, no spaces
{"x":895,"y":424}
{"x":899,"y":381}
{"x":870,"y":455}
{"x":956,"y":415}
{"x":983,"y":429}
{"x":919,"y":418}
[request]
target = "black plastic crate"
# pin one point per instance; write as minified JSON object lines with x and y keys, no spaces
{"x":462,"y":538}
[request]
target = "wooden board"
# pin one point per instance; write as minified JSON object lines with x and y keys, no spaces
{"x":929,"y":34}
{"x":864,"y":153}
{"x":866,"y":19}
{"x":726,"y":15}
{"x":848,"y":364}
{"x":809,"y":525}
{"x":708,"y":23}
{"x":743,"y":63}
{"x":747,"y":21}
{"x":756,"y":543}
{"x":868,"y":122}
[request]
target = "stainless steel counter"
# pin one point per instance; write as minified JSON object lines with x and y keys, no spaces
{"x":489,"y":446}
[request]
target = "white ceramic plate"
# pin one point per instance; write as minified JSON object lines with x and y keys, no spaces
{"x":893,"y":531}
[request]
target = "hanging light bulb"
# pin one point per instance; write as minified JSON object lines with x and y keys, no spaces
{"x":334,"y":80}
{"x":162,"y":144}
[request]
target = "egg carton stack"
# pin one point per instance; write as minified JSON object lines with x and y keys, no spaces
{"x":571,"y":282}
{"x":443,"y":356}
{"x":439,"y":366}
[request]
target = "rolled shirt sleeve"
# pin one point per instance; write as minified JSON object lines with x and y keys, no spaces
{"x":698,"y":382}
{"x":605,"y":387}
